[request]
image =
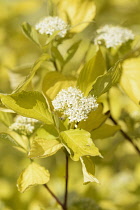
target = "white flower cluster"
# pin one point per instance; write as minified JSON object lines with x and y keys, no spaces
{"x":23,"y":125}
{"x":49,"y":25}
{"x":73,"y":104}
{"x":113,"y":35}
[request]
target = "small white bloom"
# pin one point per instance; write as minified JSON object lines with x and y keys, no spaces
{"x":73,"y":104}
{"x":24,"y":125}
{"x":113,"y":35}
{"x":49,"y":25}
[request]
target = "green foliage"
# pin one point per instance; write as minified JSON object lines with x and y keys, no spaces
{"x":47,"y":132}
{"x":58,"y":63}
{"x":42,"y":148}
{"x":105,"y":82}
{"x":90,"y":72}
{"x":29,"y":104}
{"x":53,"y":82}
{"x":104,"y":131}
{"x":33,"y":175}
{"x":67,"y":10}
{"x":30,"y":32}
{"x":130,"y":79}
{"x":88,"y":169}
{"x":78,"y":143}
{"x":95,"y":119}
{"x":46,"y":143}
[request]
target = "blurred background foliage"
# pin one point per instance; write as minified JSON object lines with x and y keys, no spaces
{"x":119,"y":171}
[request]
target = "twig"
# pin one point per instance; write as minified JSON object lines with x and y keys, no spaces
{"x":126,"y":136}
{"x":53,"y":195}
{"x":66,"y":183}
{"x":63,"y":205}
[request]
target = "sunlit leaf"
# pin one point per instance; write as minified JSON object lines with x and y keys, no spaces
{"x":30,"y":32}
{"x":53,"y":82}
{"x":78,"y":143}
{"x":33,"y":175}
{"x":130,"y":79}
{"x":106,"y":81}
{"x":41,"y":148}
{"x":45,"y":143}
{"x":47,"y":132}
{"x":95,"y":119}
{"x":77,"y":12}
{"x":91,"y":70}
{"x":88,"y":169}
{"x":29,"y":104}
{"x":105,"y":131}
{"x":4,"y":108}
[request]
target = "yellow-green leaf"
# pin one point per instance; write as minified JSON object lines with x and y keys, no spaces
{"x":54,"y":82}
{"x":77,"y":12}
{"x":48,"y":132}
{"x":105,"y":131}
{"x":29,"y":104}
{"x":30,"y":32}
{"x":88,"y":169}
{"x":95,"y":119}
{"x":130,"y":79}
{"x":91,"y":70}
{"x":33,"y":175}
{"x":106,"y":81}
{"x":78,"y":143}
{"x":41,"y":148}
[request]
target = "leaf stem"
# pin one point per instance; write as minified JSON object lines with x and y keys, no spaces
{"x":53,"y":195}
{"x":66,"y":183}
{"x":63,"y":205}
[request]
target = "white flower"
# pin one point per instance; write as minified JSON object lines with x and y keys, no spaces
{"x":49,"y":25}
{"x":113,"y":35}
{"x":73,"y":104}
{"x":23,"y":125}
